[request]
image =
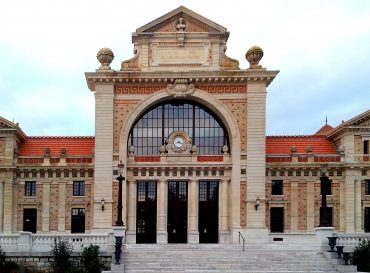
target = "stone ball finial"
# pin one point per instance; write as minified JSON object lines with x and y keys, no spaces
{"x":105,"y":56}
{"x":253,"y":56}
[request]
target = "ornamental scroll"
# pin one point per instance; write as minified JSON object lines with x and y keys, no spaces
{"x":180,"y":88}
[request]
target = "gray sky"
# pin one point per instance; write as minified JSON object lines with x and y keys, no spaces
{"x":321,"y":48}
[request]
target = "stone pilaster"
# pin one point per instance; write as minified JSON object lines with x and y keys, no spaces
{"x":62,"y":207}
{"x":358,"y":206}
{"x":162,"y":212}
{"x":256,"y":161}
{"x":1,"y":205}
{"x":8,"y":206}
{"x":104,"y":95}
{"x":294,"y":205}
{"x":310,"y":205}
{"x":45,"y":206}
{"x":131,"y":212}
{"x":193,"y":207}
{"x":349,"y":200}
{"x":224,"y":212}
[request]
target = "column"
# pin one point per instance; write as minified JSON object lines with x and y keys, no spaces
{"x":45,"y":206}
{"x":294,"y":205}
{"x":224,"y":212}
{"x":193,"y":207}
{"x":256,"y":162}
{"x":358,"y":206}
{"x":8,"y":207}
{"x":1,"y":205}
{"x":103,"y":175}
{"x":131,"y":213}
{"x":310,"y":205}
{"x":349,"y":202}
{"x":62,"y":206}
{"x":162,"y":212}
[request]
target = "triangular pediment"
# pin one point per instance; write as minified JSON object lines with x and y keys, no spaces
{"x":181,"y":19}
{"x":359,"y":122}
{"x":6,"y":124}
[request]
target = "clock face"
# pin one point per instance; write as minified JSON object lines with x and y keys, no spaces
{"x":178,"y":142}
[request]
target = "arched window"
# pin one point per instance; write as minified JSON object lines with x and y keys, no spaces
{"x":153,"y":128}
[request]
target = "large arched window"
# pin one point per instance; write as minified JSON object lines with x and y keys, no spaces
{"x":153,"y":128}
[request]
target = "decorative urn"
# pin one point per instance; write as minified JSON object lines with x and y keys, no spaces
{"x":105,"y":56}
{"x":253,"y":56}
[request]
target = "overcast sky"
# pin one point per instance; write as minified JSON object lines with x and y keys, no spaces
{"x":321,"y":47}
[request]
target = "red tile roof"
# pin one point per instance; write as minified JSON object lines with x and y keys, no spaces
{"x":282,"y":144}
{"x":324,"y":130}
{"x":75,"y":146}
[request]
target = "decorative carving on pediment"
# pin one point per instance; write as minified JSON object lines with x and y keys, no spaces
{"x":227,"y":62}
{"x":180,"y":88}
{"x":181,"y":24}
{"x":176,"y":25}
{"x":131,"y":64}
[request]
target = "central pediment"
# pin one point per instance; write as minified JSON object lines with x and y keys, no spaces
{"x":182,"y":19}
{"x":180,"y":40}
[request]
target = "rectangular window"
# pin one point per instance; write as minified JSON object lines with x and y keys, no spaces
{"x":367,"y":187}
{"x":78,"y":188}
{"x":325,"y":186}
{"x":277,"y":187}
{"x":30,"y":188}
{"x":366,"y":147}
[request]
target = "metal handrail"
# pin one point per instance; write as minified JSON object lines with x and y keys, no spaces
{"x":240,"y":235}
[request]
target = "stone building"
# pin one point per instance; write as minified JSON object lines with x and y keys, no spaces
{"x":189,"y":125}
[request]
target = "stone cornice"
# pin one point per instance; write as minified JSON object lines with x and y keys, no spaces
{"x":230,"y":76}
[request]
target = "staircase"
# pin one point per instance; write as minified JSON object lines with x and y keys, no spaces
{"x":224,"y":258}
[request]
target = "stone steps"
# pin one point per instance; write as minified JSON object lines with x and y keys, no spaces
{"x":269,"y":258}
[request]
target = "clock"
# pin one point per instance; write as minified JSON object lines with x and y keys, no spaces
{"x":179,"y":142}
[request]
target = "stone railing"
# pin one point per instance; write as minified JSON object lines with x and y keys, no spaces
{"x":351,"y":240}
{"x":26,"y":241}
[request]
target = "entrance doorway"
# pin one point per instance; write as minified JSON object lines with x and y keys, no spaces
{"x":177,"y":225}
{"x":208,"y":212}
{"x":277,"y":219}
{"x":78,"y":220}
{"x":367,"y":219}
{"x":30,"y":220}
{"x":146,"y":211}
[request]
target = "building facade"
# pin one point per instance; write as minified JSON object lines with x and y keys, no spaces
{"x":189,"y":126}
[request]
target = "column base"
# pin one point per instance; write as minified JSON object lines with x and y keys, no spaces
{"x":252,"y":235}
{"x":130,"y":237}
{"x":162,"y":237}
{"x":193,"y":237}
{"x":225,"y":237}
{"x":321,"y":234}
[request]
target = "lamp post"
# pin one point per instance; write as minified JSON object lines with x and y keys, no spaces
{"x":119,"y":222}
{"x":324,"y":189}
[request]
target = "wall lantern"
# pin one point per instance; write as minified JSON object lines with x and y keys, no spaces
{"x":102,"y":203}
{"x":258,"y":201}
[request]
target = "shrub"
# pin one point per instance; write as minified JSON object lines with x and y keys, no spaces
{"x":361,"y":256}
{"x":7,"y":266}
{"x":61,"y":252}
{"x":90,"y":259}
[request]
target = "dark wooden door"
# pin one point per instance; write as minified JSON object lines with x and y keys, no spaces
{"x":277,"y":219}
{"x":78,"y":220}
{"x":208,"y":212}
{"x":367,"y":219}
{"x":177,"y":223}
{"x":30,"y":220}
{"x":146,"y":212}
